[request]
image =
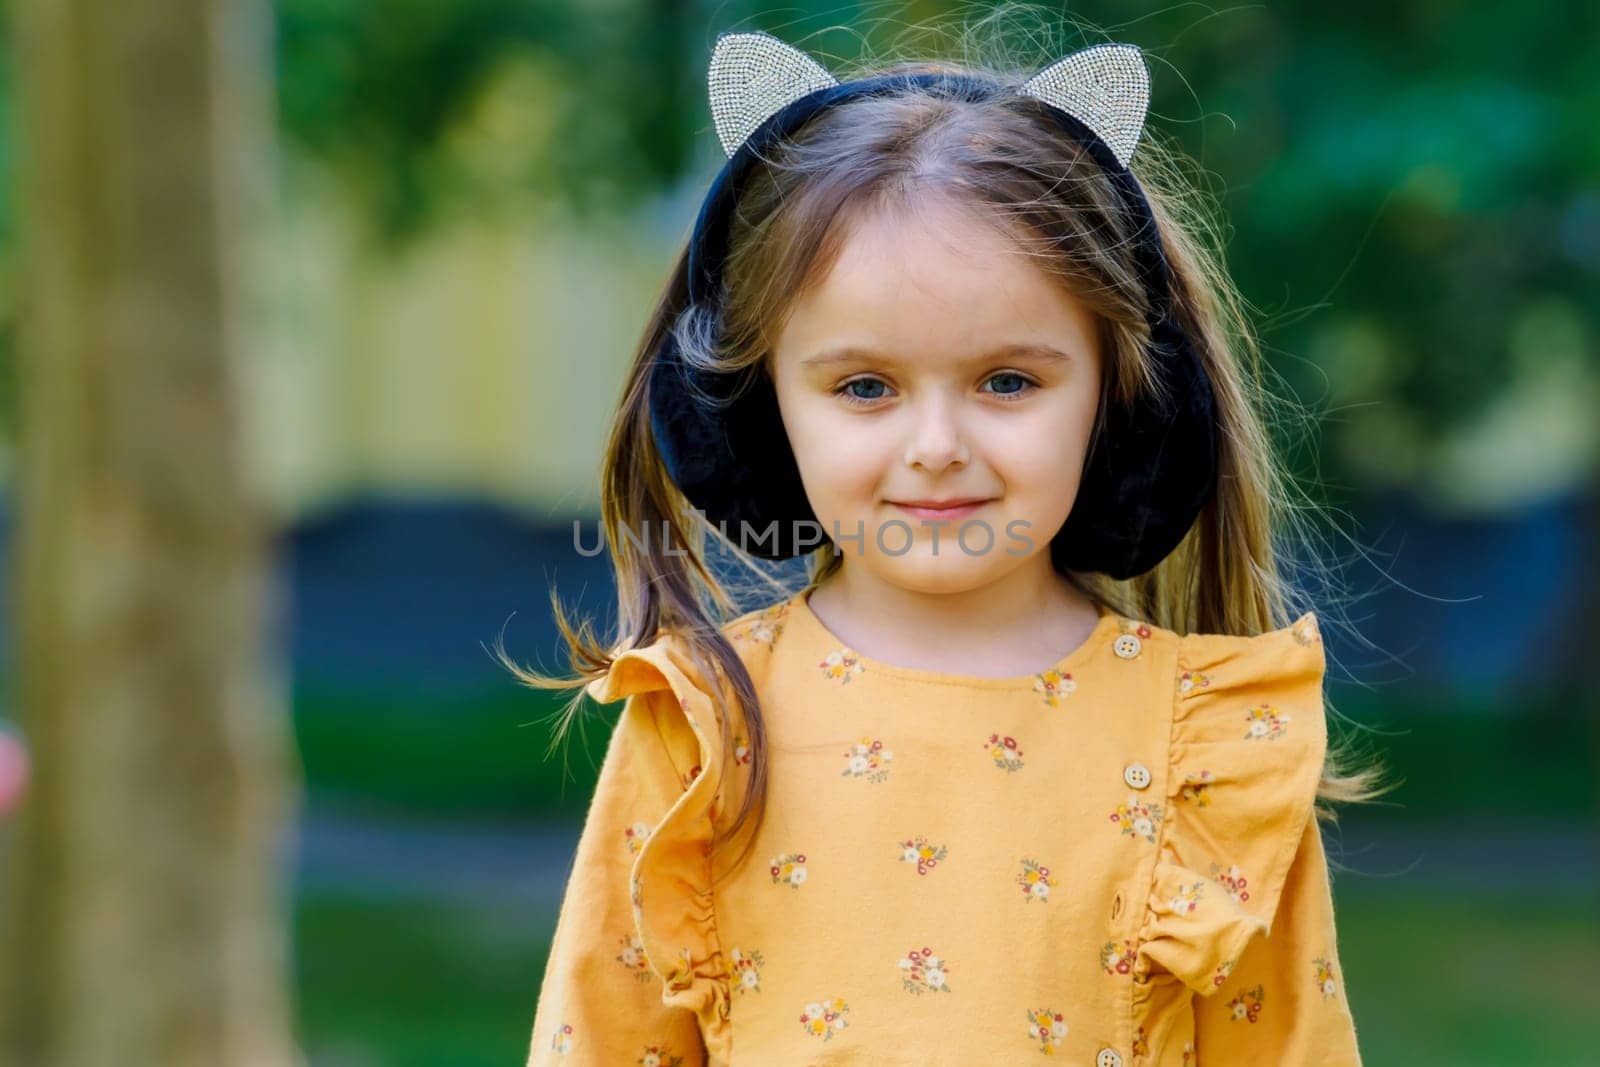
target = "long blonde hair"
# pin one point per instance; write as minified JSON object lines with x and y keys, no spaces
{"x":1006,"y":159}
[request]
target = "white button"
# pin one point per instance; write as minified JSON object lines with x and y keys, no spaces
{"x":1127,"y":646}
{"x":1136,"y":775}
{"x":1109,"y":1057}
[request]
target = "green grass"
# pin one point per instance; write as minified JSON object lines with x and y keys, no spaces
{"x":1463,"y":979}
{"x":1455,"y":979}
{"x":464,"y":755}
{"x":406,"y":982}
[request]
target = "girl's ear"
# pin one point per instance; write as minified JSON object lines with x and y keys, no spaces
{"x":1106,"y":87}
{"x":752,"y":77}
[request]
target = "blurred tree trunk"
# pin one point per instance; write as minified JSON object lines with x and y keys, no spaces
{"x":144,"y":920}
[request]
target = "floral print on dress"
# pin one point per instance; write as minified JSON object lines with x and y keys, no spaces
{"x":741,"y":750}
{"x":789,"y":869}
{"x":694,"y":772}
{"x":1036,"y":881}
{"x":744,"y":970}
{"x":635,"y":836}
{"x":1118,"y":958}
{"x":1327,"y":982}
{"x":1049,"y":1028}
{"x":1188,"y":1054}
{"x":561,"y":1041}
{"x":841,"y":665}
{"x":1265,"y":721}
{"x":632,"y":957}
{"x":921,"y":972}
{"x":1187,"y":900}
{"x":1224,"y":969}
{"x":765,"y":627}
{"x":1141,"y":1045}
{"x":1054,"y":685}
{"x":867,"y":759}
{"x":1138,"y":818}
{"x":1189,"y":681}
{"x":658,"y":1056}
{"x":1005,"y":752}
{"x":1232,"y":880}
{"x":1197,"y":787}
{"x":1247,"y":1005}
{"x":823,"y":1018}
{"x":1305,"y":631}
{"x":922,"y":852}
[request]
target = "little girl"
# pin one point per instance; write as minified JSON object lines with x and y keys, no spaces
{"x":1030,"y":764}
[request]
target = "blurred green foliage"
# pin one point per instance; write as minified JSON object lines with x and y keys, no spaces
{"x":378,"y":87}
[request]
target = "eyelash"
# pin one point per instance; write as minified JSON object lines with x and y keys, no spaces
{"x":843,"y":390}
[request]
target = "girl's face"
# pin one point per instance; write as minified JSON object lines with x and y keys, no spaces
{"x":935,"y":364}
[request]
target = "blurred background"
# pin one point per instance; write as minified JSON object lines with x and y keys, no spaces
{"x":311,"y":319}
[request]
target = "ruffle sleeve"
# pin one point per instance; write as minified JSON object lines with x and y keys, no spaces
{"x":1248,"y":738}
{"x":670,"y":882}
{"x":635,"y":972}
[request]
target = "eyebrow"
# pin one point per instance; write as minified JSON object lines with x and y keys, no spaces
{"x":862,"y":354}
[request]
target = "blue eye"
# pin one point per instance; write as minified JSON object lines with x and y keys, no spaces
{"x":845,"y":390}
{"x":1022,"y":384}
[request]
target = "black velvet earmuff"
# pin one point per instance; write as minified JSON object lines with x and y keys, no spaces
{"x":1149,"y":472}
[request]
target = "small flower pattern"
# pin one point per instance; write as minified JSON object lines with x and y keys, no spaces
{"x":868,"y":759}
{"x":1266,"y":721}
{"x":1326,"y":981}
{"x":766,"y":626}
{"x":1187,"y":900}
{"x":1005,"y":752}
{"x":841,"y":665}
{"x":921,"y":972}
{"x":825,"y":1018}
{"x":1036,"y":881}
{"x":1054,"y":685}
{"x":1247,"y":1005}
{"x":1138,"y":818}
{"x":920,"y":969}
{"x":632,"y":957}
{"x":789,"y":869}
{"x":1233,"y":880}
{"x":922,"y":852}
{"x":1196,"y":788}
{"x":1117,"y":957}
{"x":744,"y":970}
{"x":1049,"y":1028}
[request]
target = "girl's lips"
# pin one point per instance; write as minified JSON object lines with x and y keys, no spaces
{"x":959,"y":512}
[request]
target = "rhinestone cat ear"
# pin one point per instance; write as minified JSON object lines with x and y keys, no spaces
{"x":1106,"y":87}
{"x":753,"y":76}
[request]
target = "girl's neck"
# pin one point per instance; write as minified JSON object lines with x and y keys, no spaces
{"x":1006,"y":628}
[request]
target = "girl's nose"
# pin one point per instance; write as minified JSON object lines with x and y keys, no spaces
{"x":936,"y":441}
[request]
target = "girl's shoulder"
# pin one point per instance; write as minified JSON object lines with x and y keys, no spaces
{"x":1290,"y":658}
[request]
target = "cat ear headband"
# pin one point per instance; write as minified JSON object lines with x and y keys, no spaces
{"x":721,"y":436}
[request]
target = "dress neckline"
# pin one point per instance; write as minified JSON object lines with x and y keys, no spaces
{"x":826,"y":641}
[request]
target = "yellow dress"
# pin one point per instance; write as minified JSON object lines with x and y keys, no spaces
{"x":1114,"y":861}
